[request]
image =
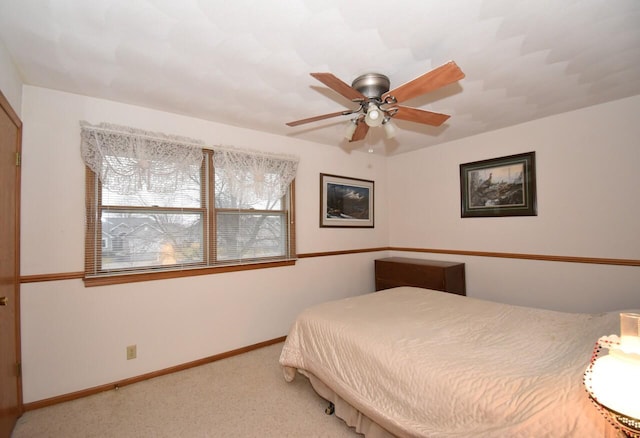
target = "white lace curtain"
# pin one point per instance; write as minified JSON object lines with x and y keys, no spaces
{"x":251,"y":176}
{"x":128,"y":160}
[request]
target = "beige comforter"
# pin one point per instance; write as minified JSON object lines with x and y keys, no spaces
{"x":430,"y":364}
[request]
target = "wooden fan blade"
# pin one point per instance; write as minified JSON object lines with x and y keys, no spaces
{"x":361,"y":131}
{"x":316,"y":118}
{"x":420,"y":116}
{"x":338,"y":86}
{"x":436,"y":78}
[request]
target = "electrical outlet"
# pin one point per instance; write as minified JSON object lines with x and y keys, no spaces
{"x":132,"y":352}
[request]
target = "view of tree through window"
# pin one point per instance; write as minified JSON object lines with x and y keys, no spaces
{"x":188,"y":227}
{"x":248,"y":225}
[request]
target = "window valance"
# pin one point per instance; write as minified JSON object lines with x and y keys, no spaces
{"x":128,"y":160}
{"x":250,"y":175}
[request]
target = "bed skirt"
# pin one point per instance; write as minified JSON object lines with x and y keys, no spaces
{"x":343,"y":410}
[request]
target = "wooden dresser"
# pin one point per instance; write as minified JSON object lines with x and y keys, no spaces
{"x":429,"y":274}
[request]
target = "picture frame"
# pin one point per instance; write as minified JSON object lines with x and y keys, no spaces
{"x":497,"y":187}
{"x":346,"y":202}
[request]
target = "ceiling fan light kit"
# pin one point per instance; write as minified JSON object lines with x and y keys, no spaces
{"x":389,"y":128}
{"x":378,"y":105}
{"x":351,"y":128}
{"x":374,"y":115}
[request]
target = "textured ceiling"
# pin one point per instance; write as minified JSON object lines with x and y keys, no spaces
{"x":247,"y":63}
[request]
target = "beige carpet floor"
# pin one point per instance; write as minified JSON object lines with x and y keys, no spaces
{"x":241,"y":396}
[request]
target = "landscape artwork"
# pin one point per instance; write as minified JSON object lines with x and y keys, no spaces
{"x":346,"y":202}
{"x":499,"y":187}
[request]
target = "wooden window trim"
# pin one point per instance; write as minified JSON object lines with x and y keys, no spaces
{"x":191,"y":272}
{"x":209,"y":264}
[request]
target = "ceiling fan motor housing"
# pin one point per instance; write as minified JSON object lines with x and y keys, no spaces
{"x":371,"y":85}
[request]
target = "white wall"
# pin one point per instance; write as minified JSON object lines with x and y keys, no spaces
{"x":10,"y":82}
{"x":588,"y":192}
{"x":74,"y":337}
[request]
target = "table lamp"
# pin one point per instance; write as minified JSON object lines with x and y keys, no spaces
{"x":613,"y":380}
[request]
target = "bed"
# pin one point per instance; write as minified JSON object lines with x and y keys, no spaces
{"x":412,"y":362}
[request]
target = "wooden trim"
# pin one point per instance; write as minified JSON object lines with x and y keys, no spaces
{"x":95,"y":276}
{"x":162,"y":275}
{"x":291,"y":215}
{"x":221,"y":269}
{"x":90,"y":231}
{"x":212,"y":224}
{"x":343,"y":252}
{"x":133,"y":278}
{"x":115,"y":385}
{"x":51,"y":277}
{"x":543,"y":257}
{"x":6,"y":106}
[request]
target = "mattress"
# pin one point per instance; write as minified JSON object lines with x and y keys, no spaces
{"x":424,"y":363}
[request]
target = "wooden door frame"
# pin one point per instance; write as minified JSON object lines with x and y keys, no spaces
{"x":5,"y":105}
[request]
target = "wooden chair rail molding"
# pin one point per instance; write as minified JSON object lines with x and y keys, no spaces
{"x":508,"y":255}
{"x":37,"y":278}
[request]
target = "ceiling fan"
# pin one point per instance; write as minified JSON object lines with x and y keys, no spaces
{"x":378,"y":105}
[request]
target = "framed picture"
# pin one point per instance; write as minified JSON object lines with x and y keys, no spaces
{"x":499,"y":187}
{"x":345,"y":202}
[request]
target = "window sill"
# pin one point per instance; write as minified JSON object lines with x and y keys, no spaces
{"x":162,"y":275}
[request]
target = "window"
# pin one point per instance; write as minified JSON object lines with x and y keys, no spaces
{"x":249,"y":226}
{"x":212,"y":215}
